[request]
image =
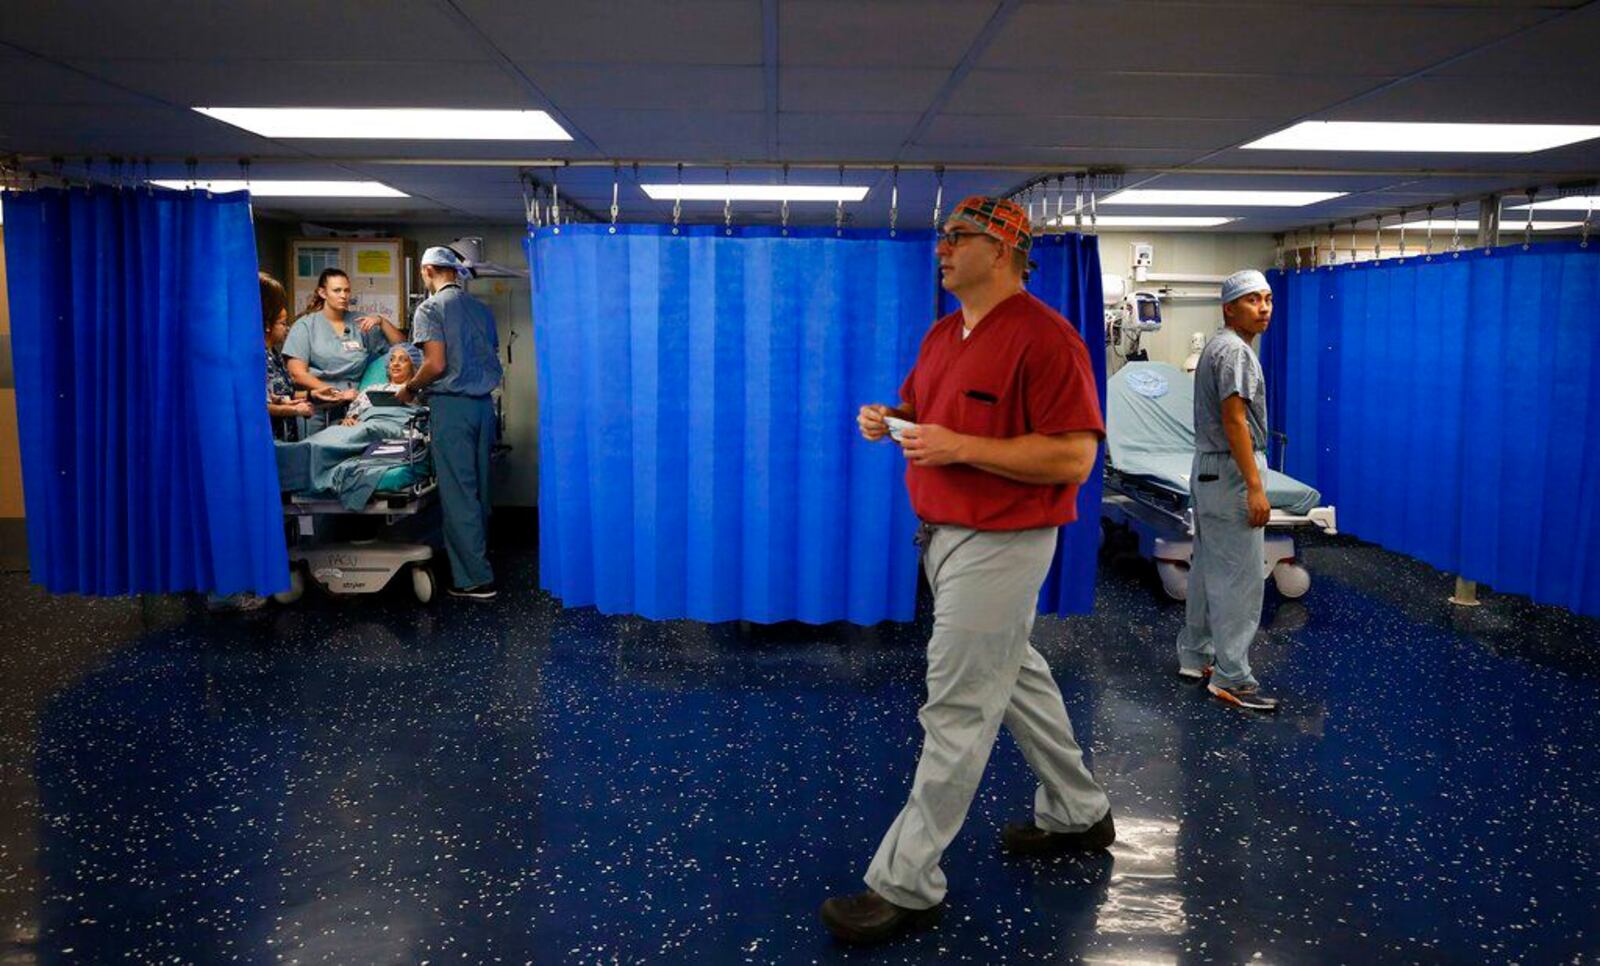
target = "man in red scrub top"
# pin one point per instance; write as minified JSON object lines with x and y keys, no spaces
{"x":1007,"y":425}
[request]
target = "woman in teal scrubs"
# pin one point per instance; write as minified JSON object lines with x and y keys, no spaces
{"x":329,"y":349}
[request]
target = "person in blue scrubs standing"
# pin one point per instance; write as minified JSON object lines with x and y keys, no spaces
{"x":460,"y":367}
{"x":1230,"y":501}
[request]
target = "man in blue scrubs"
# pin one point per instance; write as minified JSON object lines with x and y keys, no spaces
{"x":1230,"y":501}
{"x":460,"y":368}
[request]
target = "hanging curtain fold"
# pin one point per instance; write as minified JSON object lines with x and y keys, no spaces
{"x":1273,"y":349}
{"x":698,"y":391}
{"x":1068,"y":280}
{"x":146,"y":451}
{"x":1450,"y":408}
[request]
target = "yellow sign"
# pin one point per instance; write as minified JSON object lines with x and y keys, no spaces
{"x":374,"y":261}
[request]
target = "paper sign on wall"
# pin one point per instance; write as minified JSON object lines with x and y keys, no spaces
{"x":374,"y":261}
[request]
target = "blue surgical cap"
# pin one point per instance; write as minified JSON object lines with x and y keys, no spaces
{"x":1243,"y":283}
{"x":409,"y":348}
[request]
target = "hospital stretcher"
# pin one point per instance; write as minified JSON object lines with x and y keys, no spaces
{"x":363,"y":566}
{"x":1149,"y":448}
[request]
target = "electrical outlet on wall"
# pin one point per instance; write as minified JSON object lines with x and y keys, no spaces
{"x":1144,"y":257}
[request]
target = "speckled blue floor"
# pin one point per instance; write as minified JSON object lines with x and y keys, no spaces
{"x":374,"y":782}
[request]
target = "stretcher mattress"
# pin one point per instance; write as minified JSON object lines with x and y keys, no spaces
{"x":1150,"y":433}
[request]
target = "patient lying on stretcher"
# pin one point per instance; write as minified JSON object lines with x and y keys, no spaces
{"x":350,"y":459}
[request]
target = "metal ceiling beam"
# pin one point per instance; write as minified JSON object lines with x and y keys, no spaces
{"x":1049,"y":170}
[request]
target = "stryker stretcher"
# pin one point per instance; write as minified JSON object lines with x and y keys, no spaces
{"x":381,"y":467}
{"x":1149,"y":448}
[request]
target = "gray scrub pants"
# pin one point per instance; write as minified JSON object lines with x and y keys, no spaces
{"x":463,"y":432}
{"x":981,"y":672}
{"x":1226,"y":581}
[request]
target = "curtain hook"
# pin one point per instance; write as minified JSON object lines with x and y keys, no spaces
{"x":938,"y":195}
{"x":894,"y":200}
{"x":1527,"y":229}
{"x":1428,"y":255}
{"x":1402,"y":235}
{"x":1077,"y":207}
{"x":838,"y":209}
{"x":555,"y":196}
{"x":616,"y":183}
{"x":677,"y":200}
{"x":1061,"y":200}
{"x":1094,"y":213}
{"x":783,"y":207}
{"x":727,"y":199}
{"x":1297,"y":251}
{"x":1588,"y":213}
{"x":1377,"y":240}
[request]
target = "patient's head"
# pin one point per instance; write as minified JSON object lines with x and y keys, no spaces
{"x":402,"y":366}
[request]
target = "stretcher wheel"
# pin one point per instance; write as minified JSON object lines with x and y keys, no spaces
{"x":422,"y":583}
{"x":1174,"y":578}
{"x":297,"y":587}
{"x":1291,"y":579}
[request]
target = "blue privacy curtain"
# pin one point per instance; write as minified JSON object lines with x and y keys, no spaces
{"x":1068,"y":280}
{"x":146,"y":452}
{"x":697,"y":402}
{"x":1273,"y":349}
{"x":1450,"y":408}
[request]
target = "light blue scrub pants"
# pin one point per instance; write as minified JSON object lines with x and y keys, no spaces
{"x":463,"y":433}
{"x":982,"y":672}
{"x":1226,"y":580}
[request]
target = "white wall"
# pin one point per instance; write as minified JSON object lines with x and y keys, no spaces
{"x":1192,"y":253}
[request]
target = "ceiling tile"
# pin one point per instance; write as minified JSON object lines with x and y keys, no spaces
{"x":1228,"y":37}
{"x":622,"y":31}
{"x":652,"y":87}
{"x":838,"y":90}
{"x":670,"y":135}
{"x":350,"y":29}
{"x":897,"y":33}
{"x":1138,"y":94}
{"x":238,"y":82}
{"x":1014,"y":130}
{"x":844,"y":137}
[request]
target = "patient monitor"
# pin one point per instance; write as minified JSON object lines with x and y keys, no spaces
{"x":1128,"y":316}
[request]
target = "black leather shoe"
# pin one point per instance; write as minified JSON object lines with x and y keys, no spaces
{"x":1026,"y":838}
{"x":868,"y":918}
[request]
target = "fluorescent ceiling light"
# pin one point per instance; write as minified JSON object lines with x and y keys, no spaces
{"x":754,"y":192}
{"x":1574,"y":203}
{"x":1506,"y":227}
{"x":1424,"y":138}
{"x":1241,"y":199}
{"x":1149,"y":221}
{"x":291,"y":189}
{"x":407,"y":123}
